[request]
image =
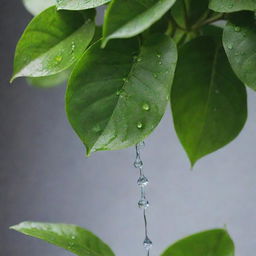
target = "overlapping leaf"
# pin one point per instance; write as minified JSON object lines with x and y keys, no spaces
{"x":129,"y":18}
{"x":232,"y":5}
{"x":72,"y":238}
{"x":215,"y":242}
{"x":37,"y":6}
{"x":208,"y":100}
{"x":239,"y":41}
{"x":116,"y":96}
{"x":52,"y":42}
{"x":80,"y":4}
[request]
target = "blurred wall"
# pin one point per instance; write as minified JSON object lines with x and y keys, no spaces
{"x":45,"y":176}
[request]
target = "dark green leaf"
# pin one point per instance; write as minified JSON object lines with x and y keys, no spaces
{"x":232,"y":5}
{"x":72,"y":238}
{"x":52,"y":42}
{"x":208,"y":100}
{"x":239,"y":41}
{"x":116,"y":96}
{"x":80,"y":4}
{"x":49,"y":81}
{"x":129,"y":18}
{"x":37,"y":6}
{"x":215,"y":242}
{"x":187,"y":12}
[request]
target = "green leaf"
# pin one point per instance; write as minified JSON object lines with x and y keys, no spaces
{"x":52,"y":42}
{"x":239,"y":41}
{"x":208,"y":101}
{"x":80,"y":4}
{"x":232,"y":5}
{"x":116,"y":96}
{"x":216,"y":242}
{"x":72,"y":238}
{"x":187,"y":12}
{"x":37,"y":6}
{"x":125,"y":19}
{"x":49,"y":81}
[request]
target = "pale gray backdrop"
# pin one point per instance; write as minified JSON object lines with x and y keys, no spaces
{"x":45,"y":176}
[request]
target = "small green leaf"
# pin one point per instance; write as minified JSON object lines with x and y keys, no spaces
{"x":239,"y":41}
{"x":216,"y":242}
{"x":116,"y":96}
{"x":49,"y":81}
{"x":125,"y":19}
{"x":208,"y":101}
{"x":72,"y":238}
{"x":52,"y":42}
{"x":232,"y":5}
{"x":80,"y":4}
{"x":187,"y":12}
{"x":37,"y":6}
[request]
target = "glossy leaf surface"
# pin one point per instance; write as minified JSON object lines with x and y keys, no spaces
{"x":215,"y":242}
{"x":72,"y":238}
{"x":125,"y":19}
{"x":232,"y":5}
{"x":37,"y":6}
{"x":208,"y":101}
{"x":52,"y":42}
{"x":239,"y":41}
{"x":80,"y":4}
{"x":117,"y":95}
{"x":49,"y":81}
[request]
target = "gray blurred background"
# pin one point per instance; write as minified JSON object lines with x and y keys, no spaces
{"x":46,"y":177}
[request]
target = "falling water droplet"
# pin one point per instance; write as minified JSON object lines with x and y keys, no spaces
{"x":142,"y":181}
{"x":147,"y":243}
{"x":145,"y":107}
{"x":138,"y":163}
{"x":143,"y":203}
{"x":139,"y":125}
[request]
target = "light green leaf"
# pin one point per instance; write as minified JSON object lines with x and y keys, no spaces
{"x":116,"y":96}
{"x":216,"y":242}
{"x":125,"y":19}
{"x":49,"y":81}
{"x":187,"y":12}
{"x":37,"y":6}
{"x":52,"y":42}
{"x":208,"y":101}
{"x":232,"y":5}
{"x":72,"y":238}
{"x":239,"y":41}
{"x":80,"y":4}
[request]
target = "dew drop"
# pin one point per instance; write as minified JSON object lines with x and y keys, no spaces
{"x":73,"y":237}
{"x":145,"y":107}
{"x":143,"y":203}
{"x":125,"y":79}
{"x":139,"y":125}
{"x":160,"y":62}
{"x":147,"y":243}
{"x":230,"y":46}
{"x":158,"y":55}
{"x":58,"y":58}
{"x":139,"y":59}
{"x":155,"y":75}
{"x":217,"y":91}
{"x":237,"y":29}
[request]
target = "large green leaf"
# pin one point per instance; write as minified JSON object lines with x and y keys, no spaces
{"x":72,"y":238}
{"x":216,"y":242}
{"x":52,"y":42}
{"x":128,"y":18}
{"x":187,"y":12}
{"x":208,"y":100}
{"x":232,"y":5}
{"x":37,"y":6}
{"x":239,"y":41}
{"x":116,"y":96}
{"x":80,"y":4}
{"x":49,"y":81}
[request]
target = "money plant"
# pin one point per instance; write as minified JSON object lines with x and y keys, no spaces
{"x":199,"y":55}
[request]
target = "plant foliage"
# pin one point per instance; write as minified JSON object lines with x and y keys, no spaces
{"x":82,"y":242}
{"x":124,"y":73}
